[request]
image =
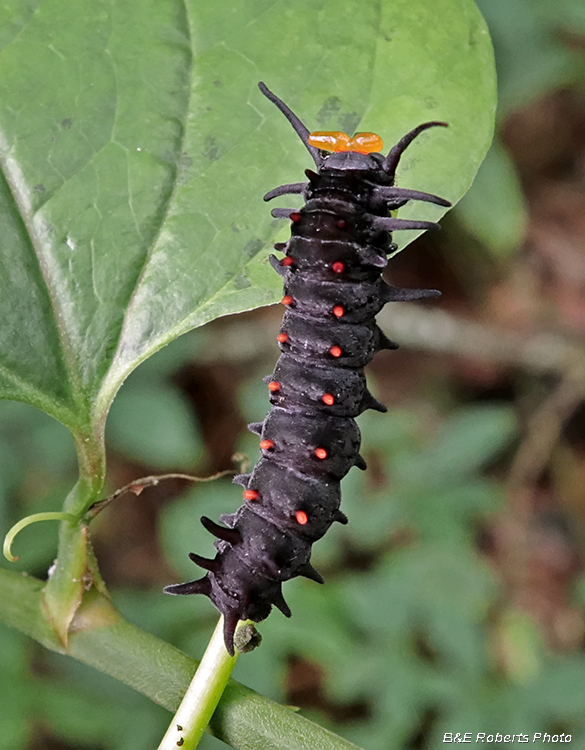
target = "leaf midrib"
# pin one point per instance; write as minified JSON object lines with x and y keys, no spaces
{"x":102,"y":400}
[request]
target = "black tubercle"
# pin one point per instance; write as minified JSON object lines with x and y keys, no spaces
{"x":333,"y":290}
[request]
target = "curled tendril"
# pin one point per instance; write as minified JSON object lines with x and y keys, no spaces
{"x":24,"y":522}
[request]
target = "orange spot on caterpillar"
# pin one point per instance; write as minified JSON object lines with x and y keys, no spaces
{"x":321,"y":453}
{"x":301,"y":517}
{"x":328,"y":398}
{"x":251,"y":494}
{"x":295,"y":217}
{"x":338,"y":267}
{"x":338,"y":311}
{"x":335,"y":351}
{"x":287,"y":300}
{"x":274,"y":385}
{"x":282,"y":337}
{"x":266,"y":445}
{"x":286,"y":261}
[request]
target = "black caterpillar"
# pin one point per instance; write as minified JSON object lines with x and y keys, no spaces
{"x":309,"y":440}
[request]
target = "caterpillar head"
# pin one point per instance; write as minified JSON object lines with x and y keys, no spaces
{"x":349,"y":154}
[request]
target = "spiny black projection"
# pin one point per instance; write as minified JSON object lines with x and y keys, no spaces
{"x":332,"y":291}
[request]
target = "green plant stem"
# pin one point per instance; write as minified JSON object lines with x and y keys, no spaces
{"x":202,"y":696}
{"x":100,"y":637}
{"x":75,"y":569}
{"x":91,"y":456}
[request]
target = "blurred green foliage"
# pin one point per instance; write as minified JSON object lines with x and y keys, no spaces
{"x":153,"y":427}
{"x":532,"y":59}
{"x":494,"y":210}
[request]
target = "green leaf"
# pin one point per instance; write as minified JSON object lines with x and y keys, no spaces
{"x":494,"y":210}
{"x":420,"y":586}
{"x":467,"y":441}
{"x":151,"y":423}
{"x":135,"y":148}
{"x":472,"y":436}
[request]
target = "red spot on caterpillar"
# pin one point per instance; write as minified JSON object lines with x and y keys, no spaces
{"x":287,"y":300}
{"x":286,"y":261}
{"x":301,"y":517}
{"x":251,"y":494}
{"x":321,"y":453}
{"x":295,"y":217}
{"x":328,"y":398}
{"x":342,"y":223}
{"x":335,"y":351}
{"x":338,"y":267}
{"x":266,"y":445}
{"x":338,"y":311}
{"x":282,"y":337}
{"x":274,"y":385}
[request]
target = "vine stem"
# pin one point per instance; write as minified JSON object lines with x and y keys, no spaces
{"x":202,"y":696}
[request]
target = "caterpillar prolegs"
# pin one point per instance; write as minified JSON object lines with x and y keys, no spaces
{"x":333,"y":289}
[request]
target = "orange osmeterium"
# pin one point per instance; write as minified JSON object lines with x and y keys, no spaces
{"x":363,"y":143}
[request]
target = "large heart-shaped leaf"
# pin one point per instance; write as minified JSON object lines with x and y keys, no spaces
{"x":135,"y":148}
